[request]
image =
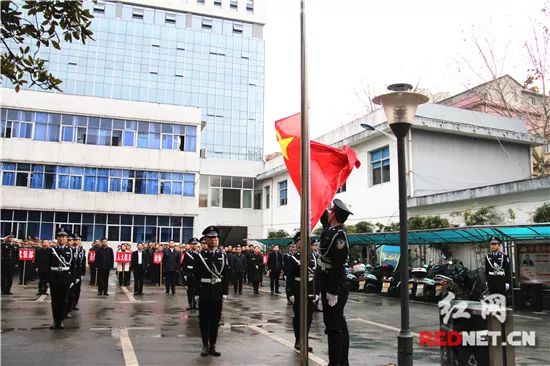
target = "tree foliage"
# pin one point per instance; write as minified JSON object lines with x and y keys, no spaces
{"x":483,"y":216}
{"x":278,"y":234}
{"x":542,"y":213}
{"x":427,"y":222}
{"x":30,"y":25}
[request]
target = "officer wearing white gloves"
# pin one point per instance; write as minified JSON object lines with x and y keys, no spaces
{"x":293,"y":288}
{"x":333,"y":254}
{"x":211,"y":279}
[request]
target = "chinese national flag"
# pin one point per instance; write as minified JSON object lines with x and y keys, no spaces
{"x":329,"y":167}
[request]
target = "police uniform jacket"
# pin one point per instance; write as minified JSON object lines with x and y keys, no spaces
{"x":497,"y":272}
{"x":189,"y":262}
{"x":211,"y":270}
{"x":10,"y":254}
{"x":293,"y":276}
{"x":333,"y":254}
{"x":60,"y":262}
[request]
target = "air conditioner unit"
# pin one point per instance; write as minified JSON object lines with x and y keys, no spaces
{"x":203,"y":153}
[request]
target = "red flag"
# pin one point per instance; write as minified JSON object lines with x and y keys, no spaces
{"x":329,"y":167}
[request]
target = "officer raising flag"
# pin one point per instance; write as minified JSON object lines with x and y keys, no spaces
{"x":212,"y":283}
{"x":333,"y":254}
{"x":59,"y":263}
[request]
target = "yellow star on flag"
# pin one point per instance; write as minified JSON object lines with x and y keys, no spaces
{"x":284,"y":142}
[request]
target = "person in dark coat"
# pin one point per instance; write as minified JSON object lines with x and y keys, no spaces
{"x":170,"y":267}
{"x":10,"y":257}
{"x":212,"y":281}
{"x":60,"y":262}
{"x":138,"y":265}
{"x":333,"y":254}
{"x":104,"y":261}
{"x":274,"y":267}
{"x":497,"y":269}
{"x":255,"y":269}
{"x":93,"y":273}
{"x":188,"y":265}
{"x":42,"y":267}
{"x":238,"y":267}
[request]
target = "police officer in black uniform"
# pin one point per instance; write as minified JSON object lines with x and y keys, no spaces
{"x":497,"y":269}
{"x":189,"y":272}
{"x":80,"y":268}
{"x":60,"y":263}
{"x":10,"y":256}
{"x":212,"y":283}
{"x":333,"y":254}
{"x":293,"y":285}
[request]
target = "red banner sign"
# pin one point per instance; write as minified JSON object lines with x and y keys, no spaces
{"x":123,"y":257}
{"x":157,"y":257}
{"x":91,"y":256}
{"x":26,"y":254}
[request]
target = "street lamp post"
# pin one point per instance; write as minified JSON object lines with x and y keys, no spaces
{"x":400,"y":108}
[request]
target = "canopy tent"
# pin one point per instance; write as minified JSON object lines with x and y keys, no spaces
{"x":458,"y":235}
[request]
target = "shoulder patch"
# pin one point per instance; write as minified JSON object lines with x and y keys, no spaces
{"x":340,"y":243}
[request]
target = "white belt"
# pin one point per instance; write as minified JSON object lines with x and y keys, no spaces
{"x":325,"y":266}
{"x":310,"y":278}
{"x":496,"y":273}
{"x":189,"y":267}
{"x":59,"y":269}
{"x":211,"y":280}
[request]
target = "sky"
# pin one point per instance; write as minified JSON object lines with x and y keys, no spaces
{"x":354,"y":46}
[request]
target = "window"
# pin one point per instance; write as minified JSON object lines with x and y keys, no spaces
{"x":231,"y":198}
{"x":207,"y":23}
{"x":267,"y":190}
{"x":203,"y":191}
{"x":258,"y":199}
{"x":233,"y":4}
{"x":380,"y":165}
{"x":67,"y":133}
{"x":170,"y":18}
{"x":69,"y":177}
{"x":99,"y":8}
{"x":342,"y":189}
{"x":237,"y":28}
{"x":137,"y":13}
{"x":250,"y":6}
{"x":201,"y":2}
{"x":218,"y":3}
{"x":283,"y":199}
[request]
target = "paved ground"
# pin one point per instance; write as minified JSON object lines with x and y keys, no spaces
{"x":157,"y":330}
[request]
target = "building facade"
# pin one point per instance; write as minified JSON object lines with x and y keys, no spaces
{"x":152,"y":113}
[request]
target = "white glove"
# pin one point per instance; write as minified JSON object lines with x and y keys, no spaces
{"x":291,"y":298}
{"x":332,"y":299}
{"x":224,"y":297}
{"x":316,"y":298}
{"x":197,"y":299}
{"x":507,"y":286}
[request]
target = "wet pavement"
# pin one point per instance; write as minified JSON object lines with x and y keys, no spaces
{"x":155,"y":329}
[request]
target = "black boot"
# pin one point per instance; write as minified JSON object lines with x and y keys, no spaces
{"x":213,"y":351}
{"x":204,"y":351}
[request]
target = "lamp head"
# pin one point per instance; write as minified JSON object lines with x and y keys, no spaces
{"x":400,"y":105}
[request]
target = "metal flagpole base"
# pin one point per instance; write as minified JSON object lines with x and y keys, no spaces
{"x":405,"y":348}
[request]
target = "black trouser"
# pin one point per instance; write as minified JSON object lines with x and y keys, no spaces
{"x":256,"y":286}
{"x":274,"y":280}
{"x":191,"y":291}
{"x":59,"y":291}
{"x":124,"y":278}
{"x":103,"y":280}
{"x":139,"y":273}
{"x":296,"y":309}
{"x":77,"y":289}
{"x":92,"y":274}
{"x":42,"y":282}
{"x":238,"y":282}
{"x":336,"y":328}
{"x":70,"y":297}
{"x":210,"y":311}
{"x":8,"y":270}
{"x":170,"y":277}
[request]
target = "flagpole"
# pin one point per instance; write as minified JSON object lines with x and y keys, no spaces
{"x":305,"y":186}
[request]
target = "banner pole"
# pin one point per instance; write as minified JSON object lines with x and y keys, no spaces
{"x":24,"y":271}
{"x":305,"y":188}
{"x":160,"y":275}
